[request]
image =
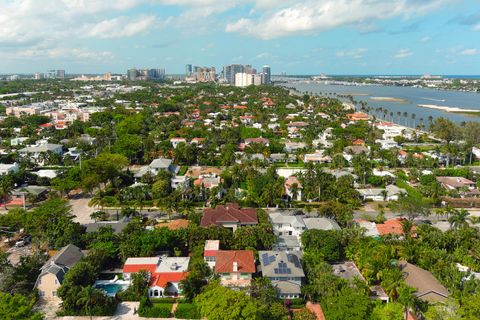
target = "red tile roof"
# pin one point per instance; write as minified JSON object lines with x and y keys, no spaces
{"x":243,"y":258}
{"x":228,"y":213}
{"x":161,"y":279}
{"x":210,"y":253}
{"x":392,"y":226}
{"x":132,"y":268}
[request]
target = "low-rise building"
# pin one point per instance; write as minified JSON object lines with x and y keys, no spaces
{"x":229,"y":216}
{"x":389,"y":193}
{"x":235,"y":268}
{"x":54,"y":270}
{"x":284,"y":270}
{"x":8,"y":168}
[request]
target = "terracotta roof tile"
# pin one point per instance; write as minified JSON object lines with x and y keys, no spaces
{"x":228,"y":213}
{"x":243,"y":258}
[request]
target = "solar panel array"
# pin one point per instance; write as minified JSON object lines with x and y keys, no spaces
{"x":292,"y":258}
{"x":267,"y":260}
{"x":282,"y":268}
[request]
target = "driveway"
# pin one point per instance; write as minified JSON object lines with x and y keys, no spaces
{"x":81,"y":210}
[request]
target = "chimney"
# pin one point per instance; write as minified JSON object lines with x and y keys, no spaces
{"x":235,"y":266}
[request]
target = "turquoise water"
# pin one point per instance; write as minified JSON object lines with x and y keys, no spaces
{"x":413,"y":97}
{"x":111,"y":288}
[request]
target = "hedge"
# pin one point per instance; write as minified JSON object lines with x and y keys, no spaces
{"x":187,"y":311}
{"x":148,"y":309}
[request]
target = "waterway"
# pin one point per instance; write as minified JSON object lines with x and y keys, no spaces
{"x":404,"y":99}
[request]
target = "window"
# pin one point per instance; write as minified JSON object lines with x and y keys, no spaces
{"x":54,"y":293}
{"x":155,"y":293}
{"x":56,"y":281}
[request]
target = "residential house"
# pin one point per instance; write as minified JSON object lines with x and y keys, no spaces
{"x":389,"y":193}
{"x":351,"y":151}
{"x":456,"y":183}
{"x":157,"y":165}
{"x":165,"y":273}
{"x":38,"y":153}
{"x":320,"y":223}
{"x":284,"y":270}
{"x":165,"y":281}
{"x":358,"y":116}
{"x":229,"y":216}
{"x":428,"y":288}
{"x":134,"y":265}
{"x":286,"y":225}
{"x":292,"y":147}
{"x":235,"y":268}
{"x":8,"y":168}
{"x":387,"y":144}
{"x":260,"y":140}
{"x":317,"y":157}
{"x":53,"y":271}
{"x":293,"y":188}
{"x":390,"y":227}
{"x":176,"y":141}
{"x":210,"y":252}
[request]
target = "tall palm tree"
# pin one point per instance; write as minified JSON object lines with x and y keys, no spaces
{"x":6,"y":187}
{"x":405,"y":117}
{"x":414,"y":116}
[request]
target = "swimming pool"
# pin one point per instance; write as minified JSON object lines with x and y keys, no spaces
{"x":111,"y":288}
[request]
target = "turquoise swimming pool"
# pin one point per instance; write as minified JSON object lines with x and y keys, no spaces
{"x":111,"y":288}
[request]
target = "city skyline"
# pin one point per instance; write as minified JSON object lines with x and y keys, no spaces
{"x":295,"y":37}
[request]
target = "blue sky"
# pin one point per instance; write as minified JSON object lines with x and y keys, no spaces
{"x":293,"y":36}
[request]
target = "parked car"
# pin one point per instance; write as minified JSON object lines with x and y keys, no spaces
{"x":23,"y":241}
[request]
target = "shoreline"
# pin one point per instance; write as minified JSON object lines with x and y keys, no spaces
{"x":449,"y":109}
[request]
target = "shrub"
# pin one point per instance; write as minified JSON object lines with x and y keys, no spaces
{"x":187,"y":311}
{"x":148,"y":309}
{"x":297,"y":303}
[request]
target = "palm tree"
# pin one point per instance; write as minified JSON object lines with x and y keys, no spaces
{"x":413,"y":119}
{"x":384,"y":194}
{"x":6,"y":187}
{"x":391,"y":280}
{"x":459,"y":219}
{"x":88,"y":297}
{"x":405,"y":117}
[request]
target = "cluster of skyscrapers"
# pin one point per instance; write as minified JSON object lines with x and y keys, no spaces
{"x":145,"y":74}
{"x":51,"y":74}
{"x":236,"y":74}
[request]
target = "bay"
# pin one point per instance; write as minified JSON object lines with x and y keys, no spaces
{"x":408,"y":99}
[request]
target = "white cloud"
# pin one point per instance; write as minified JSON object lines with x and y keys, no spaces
{"x":477,"y":27}
{"x":122,"y":27}
{"x":403,"y":53}
{"x":309,"y":16}
{"x":354,"y":53}
{"x":425,"y":39}
{"x":470,"y":52}
{"x":61,"y":53}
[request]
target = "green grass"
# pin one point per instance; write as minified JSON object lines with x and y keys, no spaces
{"x":410,"y":190}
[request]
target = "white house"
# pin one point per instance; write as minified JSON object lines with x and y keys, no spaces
{"x":390,"y":193}
{"x":8,"y":168}
{"x":387,"y":144}
{"x":286,"y":225}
